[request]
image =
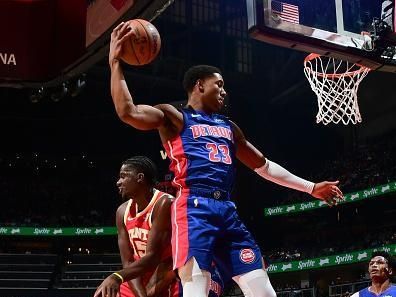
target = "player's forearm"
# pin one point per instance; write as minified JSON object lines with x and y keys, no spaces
{"x":279,"y":175}
{"x":122,"y":98}
{"x":139,"y":267}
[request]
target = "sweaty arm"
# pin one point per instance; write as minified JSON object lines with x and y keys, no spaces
{"x":254,"y":159}
{"x":158,"y":240}
{"x":126,"y":253}
{"x":142,"y":117}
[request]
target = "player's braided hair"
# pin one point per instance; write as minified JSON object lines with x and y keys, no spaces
{"x":144,"y":165}
{"x":197,"y":72}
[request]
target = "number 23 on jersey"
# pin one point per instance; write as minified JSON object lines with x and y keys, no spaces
{"x":219,"y":153}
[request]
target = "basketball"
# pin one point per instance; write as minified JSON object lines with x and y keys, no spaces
{"x":143,"y":46}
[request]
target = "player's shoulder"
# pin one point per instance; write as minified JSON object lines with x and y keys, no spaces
{"x":167,"y":108}
{"x":238,"y":133}
{"x":162,"y":205}
{"x":121,"y":209}
{"x":173,"y":119}
{"x":120,"y":213}
{"x":166,"y":197}
{"x":233,"y":123}
{"x":163,"y":198}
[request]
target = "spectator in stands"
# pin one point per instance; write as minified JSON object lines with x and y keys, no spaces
{"x":381,"y":271}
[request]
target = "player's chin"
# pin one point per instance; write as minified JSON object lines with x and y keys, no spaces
{"x":219,"y":105}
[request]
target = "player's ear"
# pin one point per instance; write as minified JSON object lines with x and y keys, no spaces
{"x":390,"y":271}
{"x":140,"y":177}
{"x":199,"y":84}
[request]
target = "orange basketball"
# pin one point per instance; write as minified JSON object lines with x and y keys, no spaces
{"x":143,"y":46}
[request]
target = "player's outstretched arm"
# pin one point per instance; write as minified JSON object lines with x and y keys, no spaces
{"x":158,"y":239}
{"x":255,"y":160}
{"x":142,"y":117}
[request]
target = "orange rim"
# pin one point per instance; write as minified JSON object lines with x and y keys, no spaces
{"x":314,"y":56}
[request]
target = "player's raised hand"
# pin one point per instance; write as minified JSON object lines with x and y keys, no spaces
{"x":118,"y":36}
{"x":110,"y":287}
{"x":328,"y":192}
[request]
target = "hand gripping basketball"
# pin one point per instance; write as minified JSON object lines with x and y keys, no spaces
{"x":142,"y":45}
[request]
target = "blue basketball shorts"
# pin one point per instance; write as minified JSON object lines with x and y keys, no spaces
{"x":209,"y":229}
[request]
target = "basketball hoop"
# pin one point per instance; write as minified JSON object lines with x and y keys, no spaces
{"x":335,"y":83}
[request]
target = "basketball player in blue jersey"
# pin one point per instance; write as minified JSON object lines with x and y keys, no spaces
{"x":203,"y":147}
{"x":380,"y":269}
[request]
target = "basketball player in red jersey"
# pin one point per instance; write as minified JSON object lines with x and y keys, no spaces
{"x":144,"y":230}
{"x":203,"y":147}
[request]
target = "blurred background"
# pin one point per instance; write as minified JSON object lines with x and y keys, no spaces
{"x":62,"y":146}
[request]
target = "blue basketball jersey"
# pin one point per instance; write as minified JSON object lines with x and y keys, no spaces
{"x":390,"y":292}
{"x":205,"y":224}
{"x":203,"y":155}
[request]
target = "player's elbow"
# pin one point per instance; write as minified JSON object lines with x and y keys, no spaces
{"x":139,"y":120}
{"x":125,"y":114}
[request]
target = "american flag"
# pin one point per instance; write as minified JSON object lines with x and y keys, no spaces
{"x":287,"y":12}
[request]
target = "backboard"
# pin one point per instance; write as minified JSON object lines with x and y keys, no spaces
{"x":328,"y":27}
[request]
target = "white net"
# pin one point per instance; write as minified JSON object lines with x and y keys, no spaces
{"x":335,"y":83}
